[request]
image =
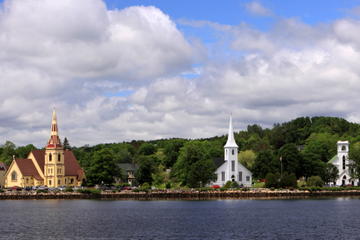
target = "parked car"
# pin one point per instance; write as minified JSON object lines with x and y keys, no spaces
{"x":16,"y":188}
{"x":28,"y":188}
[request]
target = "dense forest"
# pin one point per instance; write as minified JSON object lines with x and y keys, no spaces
{"x":300,"y":148}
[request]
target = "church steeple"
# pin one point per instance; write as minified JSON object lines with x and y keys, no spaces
{"x":231,"y":140}
{"x":54,"y":141}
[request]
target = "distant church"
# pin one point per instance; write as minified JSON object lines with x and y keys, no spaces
{"x":229,"y":168}
{"x":341,"y":161}
{"x":53,"y":166}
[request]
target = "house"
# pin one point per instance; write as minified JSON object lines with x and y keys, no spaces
{"x":3,"y":169}
{"x":53,"y":166}
{"x":129,"y":169}
{"x":341,"y":161}
{"x":229,"y":168}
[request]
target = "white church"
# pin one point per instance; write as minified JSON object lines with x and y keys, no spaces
{"x":229,"y":168}
{"x":341,"y":161}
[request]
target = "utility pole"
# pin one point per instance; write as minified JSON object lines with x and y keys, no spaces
{"x":281,"y":168}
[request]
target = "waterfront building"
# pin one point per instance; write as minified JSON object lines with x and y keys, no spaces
{"x":3,"y":169}
{"x":229,"y":168}
{"x":341,"y":161}
{"x":129,"y":169}
{"x":53,"y":166}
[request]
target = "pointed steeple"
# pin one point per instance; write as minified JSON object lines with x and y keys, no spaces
{"x":231,"y":140}
{"x":54,"y":141}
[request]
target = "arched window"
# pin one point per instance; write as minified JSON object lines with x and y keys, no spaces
{"x":59,"y":157}
{"x":50,"y":157}
{"x":13,"y":176}
{"x":343,"y":148}
{"x":233,"y":152}
{"x":343,"y":160}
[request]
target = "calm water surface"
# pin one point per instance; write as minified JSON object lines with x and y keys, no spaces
{"x":337,"y":218}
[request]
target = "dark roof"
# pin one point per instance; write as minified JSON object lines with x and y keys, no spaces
{"x":27,"y":168}
{"x":218,"y":162}
{"x":39,"y":155}
{"x":128,"y":166}
{"x":3,"y":166}
{"x":72,"y":167}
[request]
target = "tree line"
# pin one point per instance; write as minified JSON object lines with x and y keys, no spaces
{"x":298,"y":148}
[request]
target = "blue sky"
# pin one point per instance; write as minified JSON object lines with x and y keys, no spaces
{"x":233,"y":12}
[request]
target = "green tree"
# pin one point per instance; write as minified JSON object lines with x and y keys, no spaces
{"x":264,"y":163}
{"x":288,"y":180}
{"x":23,"y":151}
{"x":194,"y":164}
{"x":66,"y":144}
{"x":171,"y":151}
{"x":291,"y":159}
{"x":147,"y":149}
{"x":103,"y":169}
{"x":146,"y":169}
{"x":331,"y":173}
{"x":272,"y":180}
{"x":315,"y":181}
{"x":247,"y":158}
{"x":8,"y":151}
{"x":354,"y":161}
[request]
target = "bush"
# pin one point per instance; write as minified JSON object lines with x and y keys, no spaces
{"x":89,"y":191}
{"x":227,"y":184}
{"x":235,"y":185}
{"x":288,"y":181}
{"x":272,"y":180}
{"x":68,"y":189}
{"x":314,"y":181}
{"x":168,"y":185}
{"x":41,"y":191}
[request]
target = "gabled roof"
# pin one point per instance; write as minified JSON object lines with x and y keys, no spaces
{"x":27,"y":168}
{"x":333,"y":159}
{"x":39,"y":155}
{"x":3,"y":166}
{"x":128,"y":166}
{"x":218,"y":162}
{"x":72,"y":167}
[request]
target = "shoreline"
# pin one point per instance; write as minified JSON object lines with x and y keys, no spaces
{"x":183,"y":195}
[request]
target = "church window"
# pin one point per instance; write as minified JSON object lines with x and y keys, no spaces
{"x":59,"y":157}
{"x":50,"y":157}
{"x":343,"y":158}
{"x":59,"y":182}
{"x":65,"y":180}
{"x":13,"y":176}
{"x":343,"y":148}
{"x":232,"y":165}
{"x":248,"y":178}
{"x":27,"y":180}
{"x":240,"y":176}
{"x":49,"y":182}
{"x":232,"y":151}
{"x":222,"y":176}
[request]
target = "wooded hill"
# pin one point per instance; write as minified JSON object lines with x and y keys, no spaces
{"x":304,"y":144}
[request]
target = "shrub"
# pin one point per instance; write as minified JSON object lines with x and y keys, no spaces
{"x":227,"y":184}
{"x":68,"y":189}
{"x":168,"y":185}
{"x":234,"y":185}
{"x":41,"y":191}
{"x":314,"y":181}
{"x":288,"y":181}
{"x":272,"y":180}
{"x":89,"y":191}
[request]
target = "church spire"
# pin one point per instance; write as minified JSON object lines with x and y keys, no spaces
{"x":54,"y":141}
{"x":231,"y":140}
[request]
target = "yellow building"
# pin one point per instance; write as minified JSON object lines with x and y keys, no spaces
{"x":53,"y":166}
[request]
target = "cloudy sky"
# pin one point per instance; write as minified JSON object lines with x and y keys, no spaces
{"x":120,"y":70}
